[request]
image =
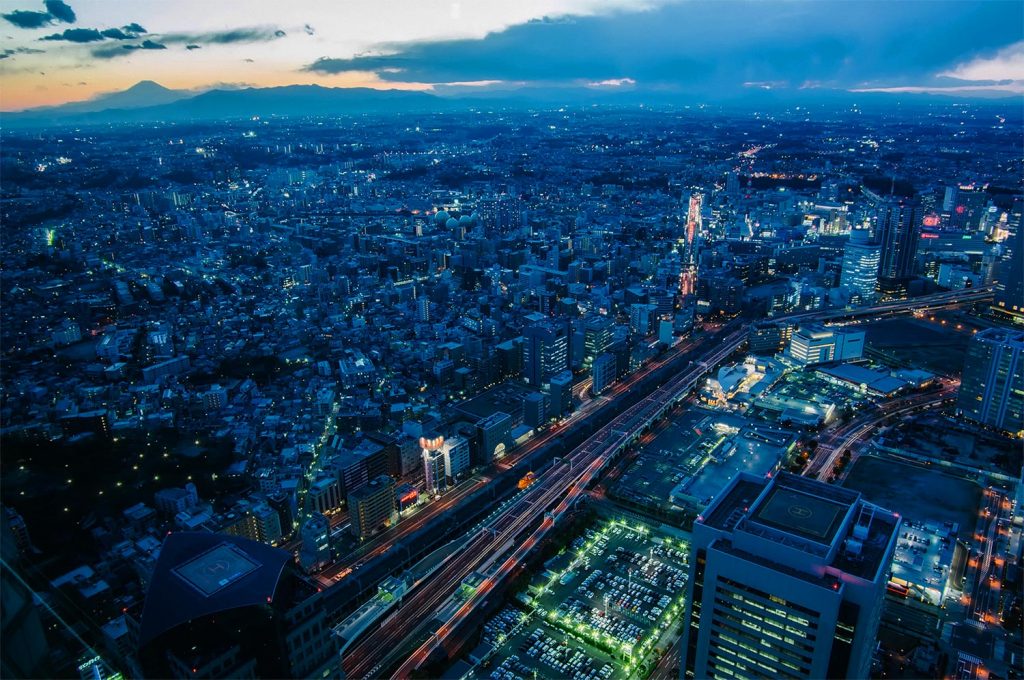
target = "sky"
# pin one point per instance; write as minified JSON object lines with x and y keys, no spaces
{"x":56,"y":51}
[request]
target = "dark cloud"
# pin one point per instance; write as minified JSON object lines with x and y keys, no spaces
{"x":56,"y":11}
{"x":60,"y":11}
{"x":192,"y":47}
{"x":692,"y":47}
{"x":147,"y":45}
{"x":237,"y":35}
{"x":8,"y":53}
{"x":76,"y":35}
{"x":116,"y":34}
{"x":26,"y":19}
{"x":115,"y":51}
{"x":249,"y":61}
{"x":309,"y":29}
{"x":129,"y":32}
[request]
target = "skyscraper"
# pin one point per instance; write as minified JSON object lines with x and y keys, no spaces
{"x":861,"y":258}
{"x":545,"y":352}
{"x":992,"y":384}
{"x":1009,"y":270}
{"x":436,"y":479}
{"x":597,"y":337}
{"x":373,"y":506}
{"x":787,"y":580}
{"x":897,"y":229}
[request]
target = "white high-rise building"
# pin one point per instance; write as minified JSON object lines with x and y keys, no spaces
{"x":787,"y":580}
{"x":861,"y":259}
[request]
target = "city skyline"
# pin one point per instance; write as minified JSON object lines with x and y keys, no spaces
{"x":589,"y":339}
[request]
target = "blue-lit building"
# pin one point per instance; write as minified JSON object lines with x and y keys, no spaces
{"x":992,"y":383}
{"x":861,"y":259}
{"x":787,"y":580}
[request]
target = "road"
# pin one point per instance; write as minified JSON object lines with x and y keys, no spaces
{"x":986,"y":563}
{"x":835,"y":442}
{"x":585,"y":464}
{"x":555,"y":491}
{"x":569,"y":477}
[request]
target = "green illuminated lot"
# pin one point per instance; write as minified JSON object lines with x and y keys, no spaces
{"x":605,"y":610}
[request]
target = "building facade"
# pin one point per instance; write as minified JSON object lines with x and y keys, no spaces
{"x":861,"y":258}
{"x":788,"y":580}
{"x":373,"y":507}
{"x":992,"y":383}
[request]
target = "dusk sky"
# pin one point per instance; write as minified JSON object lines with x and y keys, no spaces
{"x":55,"y":52}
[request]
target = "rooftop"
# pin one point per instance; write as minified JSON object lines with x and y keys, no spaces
{"x":801,"y":513}
{"x":200,"y":573}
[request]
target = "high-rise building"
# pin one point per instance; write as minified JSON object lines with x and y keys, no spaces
{"x":896,"y":230}
{"x":640,"y":318}
{"x":815,"y":344}
{"x":423,"y":309}
{"x":494,"y":434}
{"x":787,"y":580}
{"x":434,"y":473}
{"x":560,"y":393}
{"x":1009,"y":270}
{"x":861,"y":258}
{"x":535,"y":409}
{"x":316,"y":542}
{"x":597,"y":336}
{"x":769,"y":337}
{"x":227,"y":607}
{"x":373,"y":506}
{"x":603,"y":372}
{"x":992,"y":383}
{"x":456,"y":457}
{"x":545,"y":352}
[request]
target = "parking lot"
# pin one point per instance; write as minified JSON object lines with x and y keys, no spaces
{"x":533,"y":648}
{"x":603,"y":610}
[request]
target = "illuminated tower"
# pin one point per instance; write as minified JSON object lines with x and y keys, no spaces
{"x":899,"y":222}
{"x":433,"y":464}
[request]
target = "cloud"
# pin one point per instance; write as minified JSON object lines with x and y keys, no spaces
{"x":10,"y":52}
{"x":116,"y":34}
{"x":224,"y":86}
{"x":309,"y":29}
{"x":115,"y":51}
{"x":56,"y":11}
{"x":249,"y":61}
{"x":87,"y":35}
{"x":76,"y":35}
{"x":193,"y":47}
{"x":26,"y":19}
{"x":1006,"y":64}
{"x":1009,"y":87}
{"x":60,"y":11}
{"x":237,"y":35}
{"x":146,"y":45}
{"x":612,"y":82}
{"x":781,"y":43}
